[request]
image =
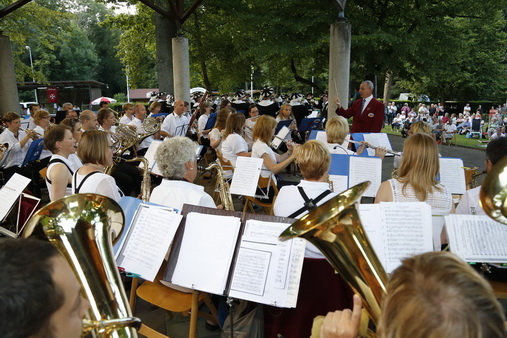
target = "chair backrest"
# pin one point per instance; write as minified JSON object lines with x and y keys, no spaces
{"x":34,"y":151}
{"x":476,"y":125}
{"x":226,"y":164}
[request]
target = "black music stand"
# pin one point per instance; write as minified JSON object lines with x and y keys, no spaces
{"x":309,"y":124}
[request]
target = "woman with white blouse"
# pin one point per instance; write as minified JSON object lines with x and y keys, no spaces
{"x":216,"y":134}
{"x":263,"y":133}
{"x":61,"y":143}
{"x":96,"y":152}
{"x":41,"y":121}
{"x":234,"y":144}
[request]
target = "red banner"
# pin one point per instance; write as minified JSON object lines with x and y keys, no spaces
{"x":52,"y":95}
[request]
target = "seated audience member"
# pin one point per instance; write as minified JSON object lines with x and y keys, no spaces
{"x":128,"y":112}
{"x":106,"y":118}
{"x":438,"y":131}
{"x":434,"y":294}
{"x":234,"y":144}
{"x":39,"y":293}
{"x":263,"y":133}
{"x":88,"y":120}
{"x":19,"y":142}
{"x":96,"y":152}
{"x":416,"y":181}
{"x":499,"y":132}
{"x":406,"y":127}
{"x":216,"y":134}
{"x":314,"y":160}
{"x":396,"y":124}
{"x":176,"y":158}
{"x":449,"y":131}
{"x":62,"y":144}
{"x":469,"y":203}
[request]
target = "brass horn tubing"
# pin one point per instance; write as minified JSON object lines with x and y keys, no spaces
{"x":338,"y":240}
{"x":108,"y":326}
{"x":493,"y":195}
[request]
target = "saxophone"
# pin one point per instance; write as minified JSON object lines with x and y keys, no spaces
{"x":223,"y":186}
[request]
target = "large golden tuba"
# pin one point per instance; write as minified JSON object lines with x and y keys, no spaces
{"x":81,"y":227}
{"x":336,"y":230}
{"x":493,"y":196}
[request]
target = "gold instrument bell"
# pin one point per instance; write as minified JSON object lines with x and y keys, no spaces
{"x":336,"y":230}
{"x":493,"y":196}
{"x":82,"y":228}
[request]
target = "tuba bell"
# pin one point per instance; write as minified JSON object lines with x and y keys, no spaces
{"x":81,"y":227}
{"x":493,"y":196}
{"x":336,"y":230}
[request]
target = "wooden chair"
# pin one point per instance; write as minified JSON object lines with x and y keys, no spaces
{"x":226,"y":166}
{"x":264,"y":182}
{"x":173,"y":301}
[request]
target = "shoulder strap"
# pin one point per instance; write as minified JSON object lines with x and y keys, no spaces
{"x":76,"y":189}
{"x":309,"y":204}
{"x":57,"y":160}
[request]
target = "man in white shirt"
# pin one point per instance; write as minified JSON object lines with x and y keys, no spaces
{"x":128,"y":112}
{"x":469,"y":203}
{"x":88,"y":120}
{"x":137,"y":122}
{"x":176,"y":124}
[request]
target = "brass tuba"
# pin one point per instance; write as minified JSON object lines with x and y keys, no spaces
{"x":493,"y":196}
{"x":223,"y":185}
{"x":336,"y":230}
{"x":81,"y":227}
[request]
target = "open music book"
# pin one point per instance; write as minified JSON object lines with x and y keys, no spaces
{"x":237,"y":255}
{"x":397,"y":230}
{"x":280,"y":137}
{"x":452,"y":175}
{"x":374,"y":139}
{"x":349,"y":170}
{"x":477,"y":238}
{"x":145,"y":240}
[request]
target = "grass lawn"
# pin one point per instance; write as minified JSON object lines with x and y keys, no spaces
{"x":461,"y":140}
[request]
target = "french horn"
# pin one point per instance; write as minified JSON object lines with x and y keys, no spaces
{"x":336,"y":230}
{"x":82,"y":228}
{"x":493,"y":195}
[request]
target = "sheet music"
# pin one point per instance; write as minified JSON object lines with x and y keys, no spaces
{"x":150,"y":156}
{"x":407,"y":231}
{"x":377,"y":140}
{"x":246,"y":175}
{"x":321,"y":136}
{"x":280,"y":137}
{"x":477,"y":238}
{"x":206,"y":252}
{"x":366,"y":169}
{"x":149,"y":238}
{"x":268,"y":270}
{"x":340,"y":183}
{"x":372,"y":224}
{"x":10,"y":192}
{"x":452,"y":175}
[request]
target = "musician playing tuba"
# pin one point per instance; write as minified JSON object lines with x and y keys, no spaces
{"x":39,"y":293}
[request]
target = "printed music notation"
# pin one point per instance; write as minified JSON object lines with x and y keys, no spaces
{"x":246,"y":175}
{"x":256,"y":266}
{"x":405,"y":229}
{"x":452,"y":175}
{"x":10,"y":192}
{"x":366,"y":169}
{"x":477,"y":238}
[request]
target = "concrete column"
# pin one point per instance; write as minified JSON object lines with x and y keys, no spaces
{"x":339,"y":65}
{"x":181,"y":69}
{"x":9,"y":99}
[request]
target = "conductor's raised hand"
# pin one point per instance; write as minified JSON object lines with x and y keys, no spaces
{"x":342,"y":324}
{"x":337,"y":102}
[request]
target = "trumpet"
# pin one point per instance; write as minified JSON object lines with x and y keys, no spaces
{"x":35,"y":135}
{"x":395,"y":153}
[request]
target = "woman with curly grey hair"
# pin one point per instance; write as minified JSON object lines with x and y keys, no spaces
{"x":177,"y":161}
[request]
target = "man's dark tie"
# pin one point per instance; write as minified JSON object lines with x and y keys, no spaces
{"x":364,"y":104}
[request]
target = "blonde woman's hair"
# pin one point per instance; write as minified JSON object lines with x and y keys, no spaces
{"x":437,"y":294}
{"x":420,"y":165}
{"x":154,"y":105}
{"x":234,"y":124}
{"x":337,"y":129}
{"x":285,"y":105}
{"x":39,"y":115}
{"x":93,"y":147}
{"x":420,"y":127}
{"x":313,"y":158}
{"x":263,"y":128}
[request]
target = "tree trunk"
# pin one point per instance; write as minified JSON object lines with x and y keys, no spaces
{"x":165,"y":30}
{"x":303,"y":80}
{"x":387,"y":87}
{"x":200,"y":53}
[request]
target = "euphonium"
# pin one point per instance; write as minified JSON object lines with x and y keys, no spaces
{"x":336,"y":230}
{"x":4,"y":151}
{"x":223,"y":185}
{"x":493,"y":196}
{"x":81,"y":227}
{"x":151,"y":125}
